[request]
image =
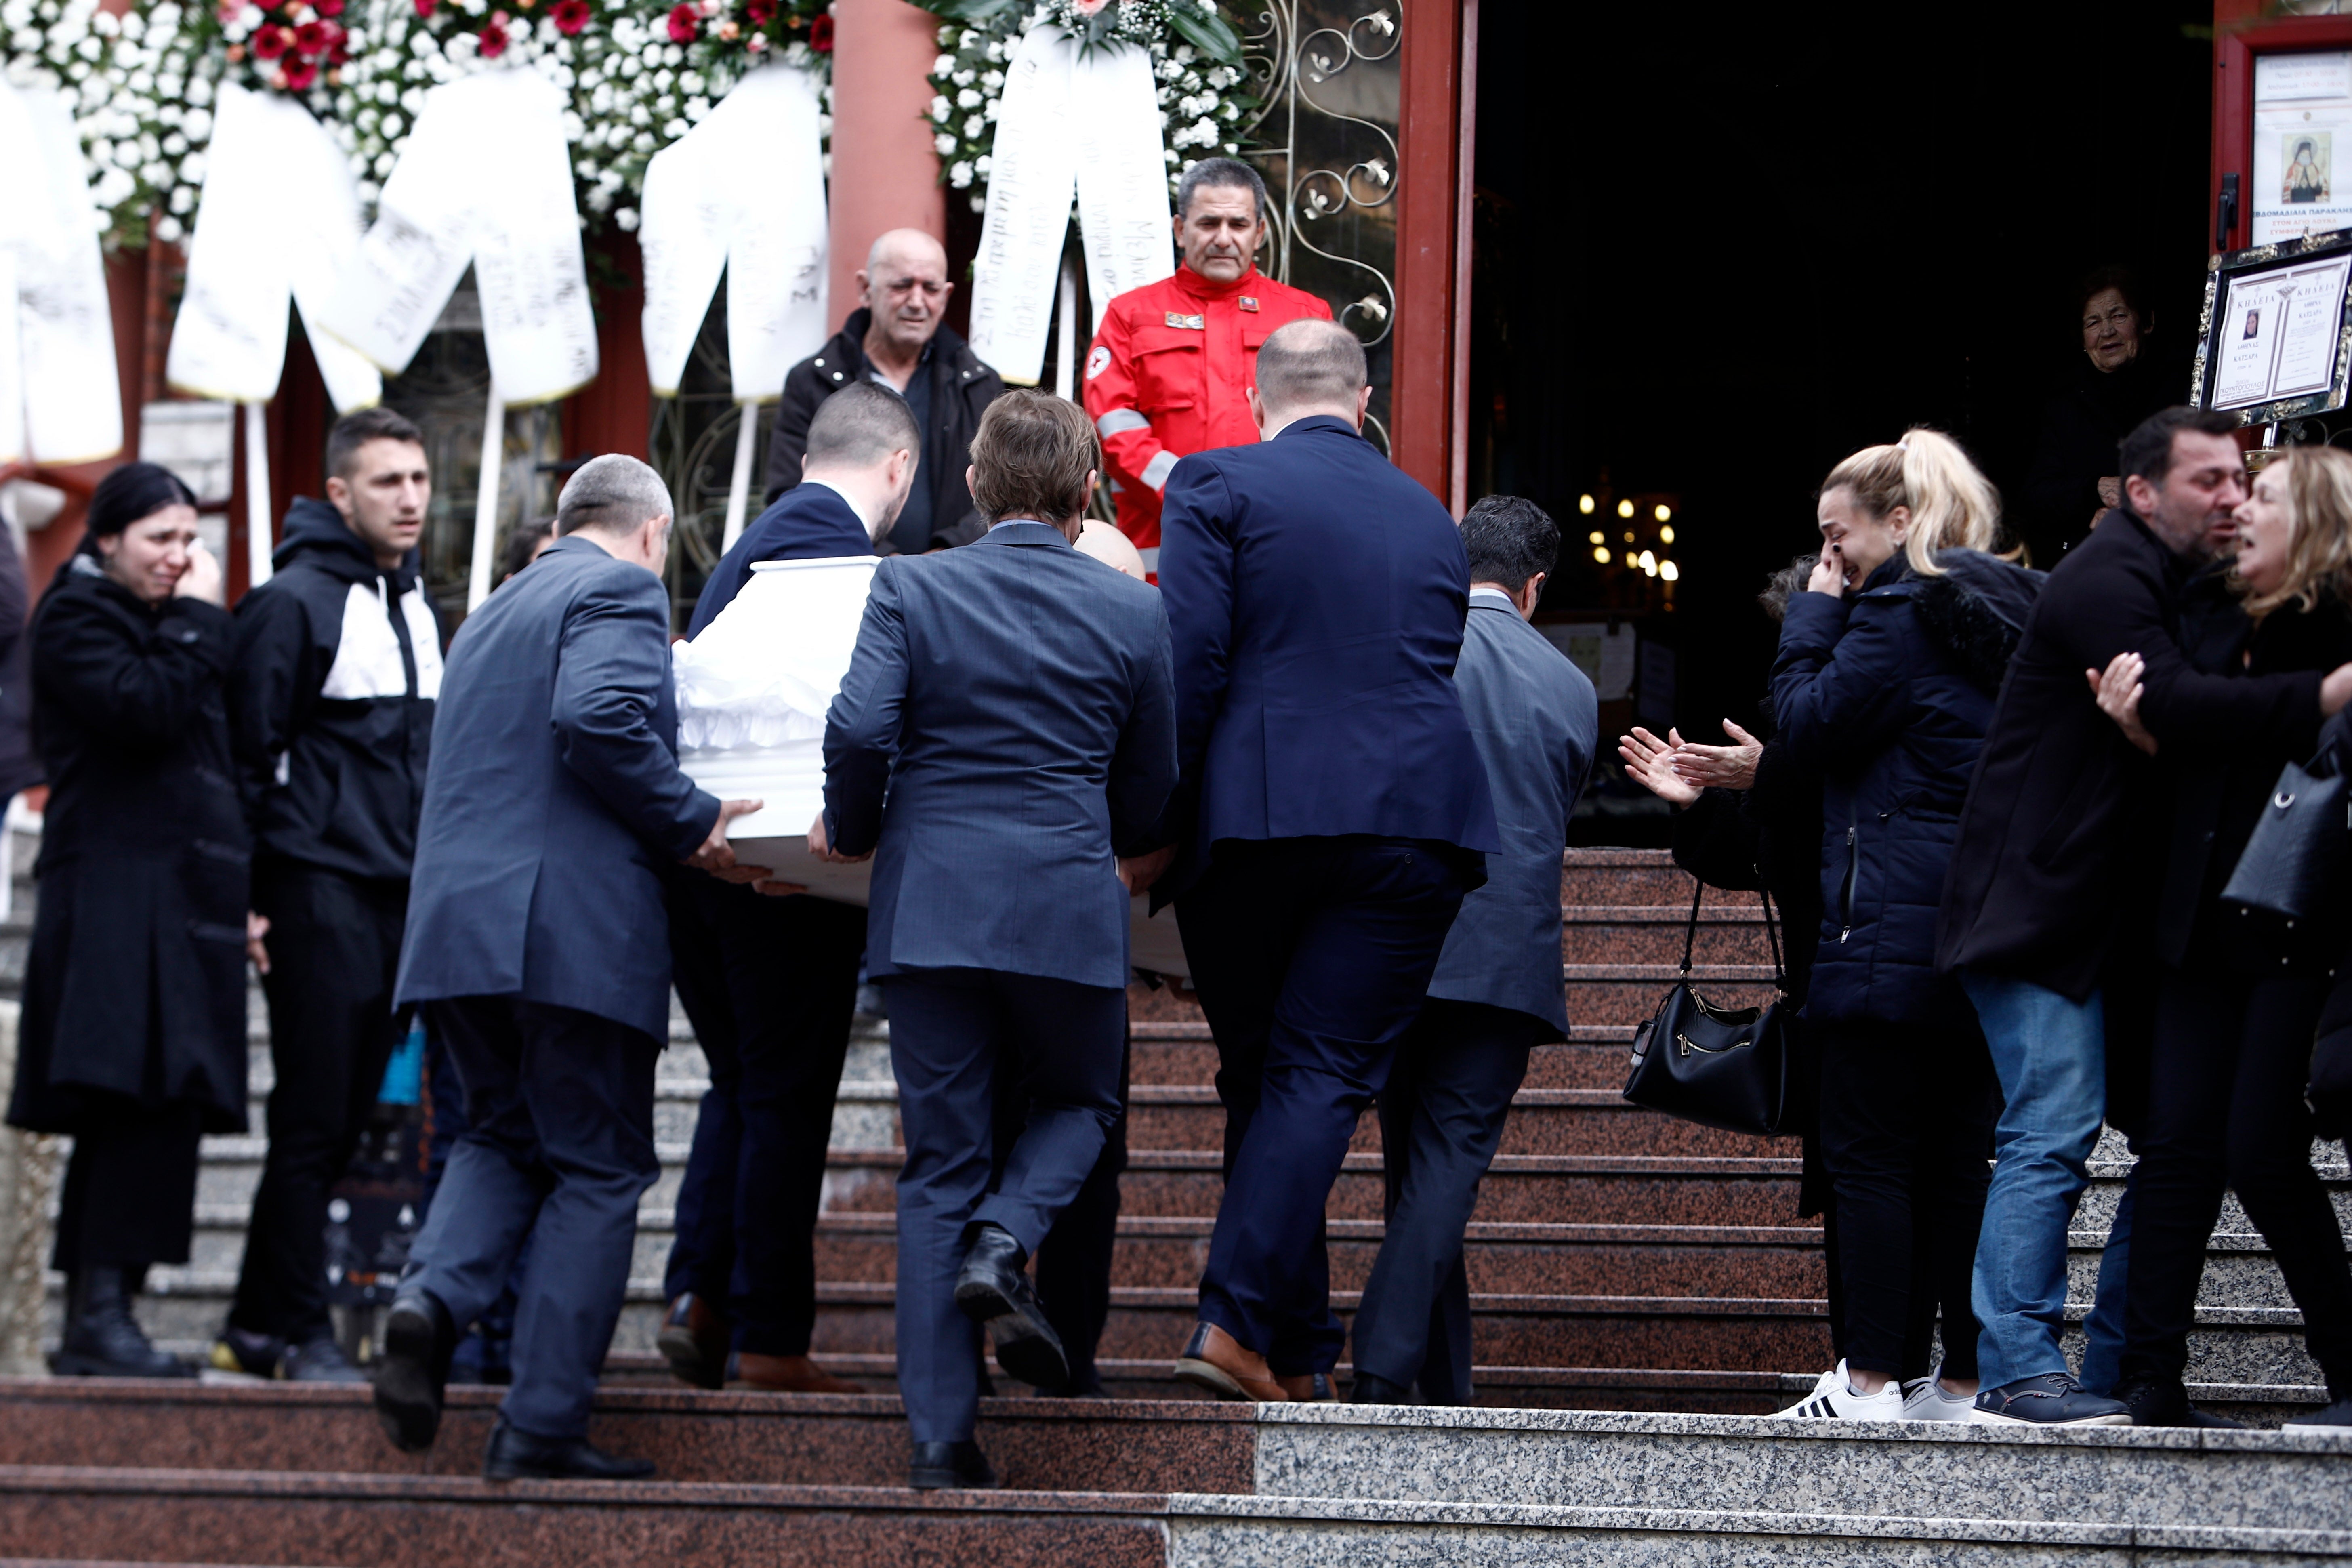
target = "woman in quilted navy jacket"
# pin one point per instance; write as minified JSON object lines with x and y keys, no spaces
{"x":1889,"y":668}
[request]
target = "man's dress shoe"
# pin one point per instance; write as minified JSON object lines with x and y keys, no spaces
{"x":941,"y":1467}
{"x":1309,"y":1387}
{"x":790,"y":1375}
{"x":694,"y":1340}
{"x":1370,"y":1388}
{"x":993,"y":1289}
{"x":1215,"y":1361}
{"x":418,"y":1339}
{"x":516,"y":1454}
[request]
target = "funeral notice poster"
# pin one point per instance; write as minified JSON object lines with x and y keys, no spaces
{"x":2303,"y":119}
{"x":2278,"y":333}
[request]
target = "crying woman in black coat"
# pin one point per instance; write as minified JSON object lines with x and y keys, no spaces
{"x":1888,"y":669}
{"x":2239,"y":998}
{"x":134,"y":994}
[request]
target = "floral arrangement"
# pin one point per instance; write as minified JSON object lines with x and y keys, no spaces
{"x":1194,"y":53}
{"x":640,"y":74}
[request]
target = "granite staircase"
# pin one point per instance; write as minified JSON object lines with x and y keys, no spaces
{"x":1647,"y":1281}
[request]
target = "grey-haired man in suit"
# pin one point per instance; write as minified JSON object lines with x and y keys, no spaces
{"x":538,"y":944}
{"x":1496,"y":992}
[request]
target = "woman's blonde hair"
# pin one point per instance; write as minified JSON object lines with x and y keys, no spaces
{"x":1953,"y":507}
{"x":2319,"y":532}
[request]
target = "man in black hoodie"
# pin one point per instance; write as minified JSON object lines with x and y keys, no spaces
{"x":331,"y":711}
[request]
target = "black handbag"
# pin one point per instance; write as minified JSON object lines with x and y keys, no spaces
{"x":2297,"y":850}
{"x":1725,"y":1067}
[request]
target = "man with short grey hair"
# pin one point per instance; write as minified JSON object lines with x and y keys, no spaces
{"x":537,"y":946}
{"x":895,"y":340}
{"x":1171,"y":369}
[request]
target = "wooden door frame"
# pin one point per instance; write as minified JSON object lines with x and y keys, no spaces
{"x":1429,"y":387}
{"x":2241,"y":32}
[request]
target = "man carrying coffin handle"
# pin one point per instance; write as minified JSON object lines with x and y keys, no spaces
{"x":1496,"y":991}
{"x":537,"y":941}
{"x":1332,"y":814}
{"x":1004,"y":733}
{"x":770,"y":984}
{"x":331,"y":712}
{"x":1169,"y":371}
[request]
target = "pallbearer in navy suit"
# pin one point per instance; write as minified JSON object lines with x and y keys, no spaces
{"x":1332,"y":812}
{"x":1496,"y":992}
{"x":1004,"y":734}
{"x":536,"y":940}
{"x":770,"y":984}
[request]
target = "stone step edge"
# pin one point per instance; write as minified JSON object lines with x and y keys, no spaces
{"x":1184,"y":1508}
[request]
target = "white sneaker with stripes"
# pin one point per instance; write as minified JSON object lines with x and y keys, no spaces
{"x":1833,"y":1399}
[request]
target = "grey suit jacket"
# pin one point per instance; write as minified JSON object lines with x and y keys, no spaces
{"x":553,"y":798}
{"x":1006,"y":729}
{"x":1537,"y":722}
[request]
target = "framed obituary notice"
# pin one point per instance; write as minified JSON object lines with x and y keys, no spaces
{"x":2273,"y":343}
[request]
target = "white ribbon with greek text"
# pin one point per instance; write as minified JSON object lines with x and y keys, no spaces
{"x":484,"y":178}
{"x":59,"y":399}
{"x":1067,"y":123}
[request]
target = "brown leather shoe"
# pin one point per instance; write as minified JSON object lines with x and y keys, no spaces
{"x":1309,"y":1387}
{"x":1215,"y":1359}
{"x":790,"y":1375}
{"x":695,"y":1339}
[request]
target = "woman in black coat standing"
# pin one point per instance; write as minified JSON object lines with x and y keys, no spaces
{"x":2240,"y":995}
{"x":134,"y":995}
{"x":1888,"y":669}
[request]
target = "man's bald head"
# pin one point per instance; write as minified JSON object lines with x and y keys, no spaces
{"x":1112,"y":548}
{"x":1310,"y":367}
{"x":906,"y":287}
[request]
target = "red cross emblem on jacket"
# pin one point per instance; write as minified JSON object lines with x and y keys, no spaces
{"x":1166,"y":377}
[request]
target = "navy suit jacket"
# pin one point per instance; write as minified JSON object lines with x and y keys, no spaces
{"x":1006,"y":729}
{"x":808,"y":522}
{"x":1537,"y":722}
{"x":554,"y":798}
{"x":1315,"y":596}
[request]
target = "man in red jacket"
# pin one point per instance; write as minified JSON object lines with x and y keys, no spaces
{"x":1169,"y":370}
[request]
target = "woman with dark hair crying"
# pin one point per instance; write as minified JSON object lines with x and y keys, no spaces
{"x":135,"y":1033}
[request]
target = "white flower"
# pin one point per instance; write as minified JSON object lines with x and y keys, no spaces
{"x":959,"y":176}
{"x":975,"y":125}
{"x":943,"y":65}
{"x":167,"y":229}
{"x":984,"y":163}
{"x":964,"y":77}
{"x":968,"y":99}
{"x":672,"y":129}
{"x":996,"y":51}
{"x":696,"y":108}
{"x":643,"y":142}
{"x":627,"y":219}
{"x":940,"y":109}
{"x":993,"y":81}
{"x":944,"y":144}
{"x":183,"y":201}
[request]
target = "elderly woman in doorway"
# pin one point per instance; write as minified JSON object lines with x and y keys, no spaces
{"x":2120,"y":380}
{"x":2240,"y":995}
{"x":133,"y":1029}
{"x":1888,"y":669}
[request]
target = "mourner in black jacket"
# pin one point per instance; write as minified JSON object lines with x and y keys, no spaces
{"x":2241,"y":993}
{"x":2058,"y":811}
{"x":331,"y":707}
{"x":896,"y":338}
{"x":133,"y":1036}
{"x":1885,"y":680}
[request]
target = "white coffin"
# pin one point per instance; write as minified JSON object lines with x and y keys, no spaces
{"x":752,"y":691}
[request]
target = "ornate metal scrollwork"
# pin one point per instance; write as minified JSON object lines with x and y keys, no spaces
{"x":1325,"y":73}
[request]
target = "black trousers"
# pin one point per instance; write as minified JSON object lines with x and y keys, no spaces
{"x":1311,"y":957}
{"x":1441,"y":1120}
{"x":559,"y":1149}
{"x":335,"y":951}
{"x":1072,"y":1268}
{"x":1908,"y":1113}
{"x":785,"y":984}
{"x":130,"y":1199}
{"x":2227,"y":1066}
{"x":957,"y":1037}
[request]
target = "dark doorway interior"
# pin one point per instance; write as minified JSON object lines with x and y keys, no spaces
{"x":1718,"y":250}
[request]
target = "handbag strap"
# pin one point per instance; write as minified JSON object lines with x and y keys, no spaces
{"x":1690,"y":936}
{"x":1772,"y":941}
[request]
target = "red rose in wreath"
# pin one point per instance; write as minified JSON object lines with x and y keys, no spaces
{"x":312,"y":38}
{"x":270,"y":42}
{"x":493,"y":35}
{"x":760,"y":13}
{"x":684,"y":20}
{"x":328,"y":7}
{"x":571,"y":16}
{"x":424,"y":9}
{"x":821,"y":34}
{"x":297,"y":73}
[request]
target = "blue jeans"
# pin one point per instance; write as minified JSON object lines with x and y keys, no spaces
{"x":2051,"y":1057}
